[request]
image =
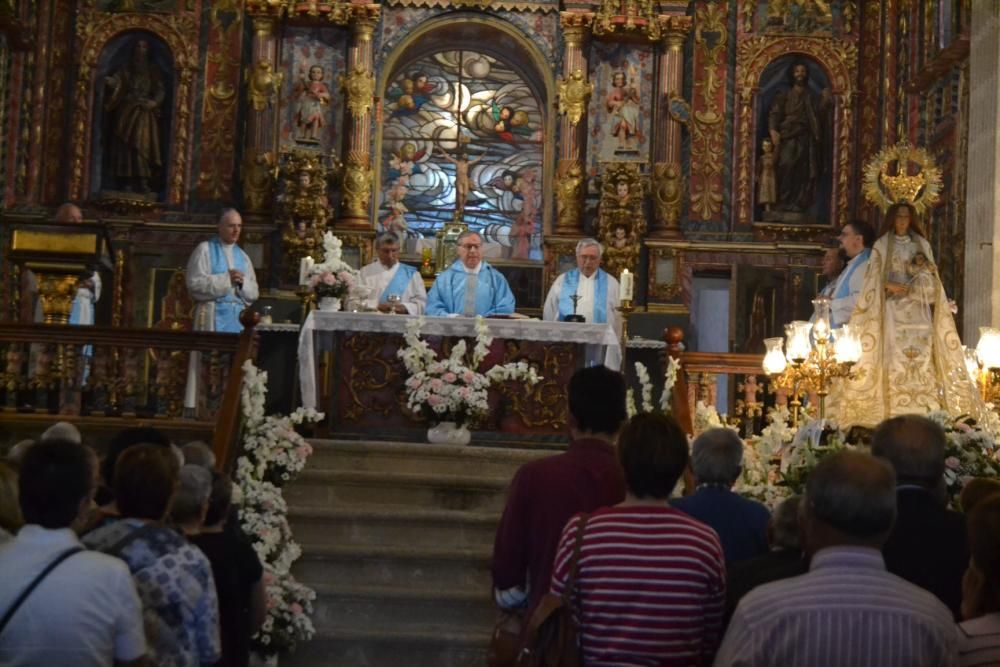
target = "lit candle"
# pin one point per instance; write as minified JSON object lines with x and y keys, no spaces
{"x":305,"y":269}
{"x":626,"y":281}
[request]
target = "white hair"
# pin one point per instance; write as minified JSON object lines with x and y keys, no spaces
{"x":587,"y":243}
{"x":62,"y":431}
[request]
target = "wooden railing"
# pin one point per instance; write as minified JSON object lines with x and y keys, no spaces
{"x":696,"y":381}
{"x":137,"y":374}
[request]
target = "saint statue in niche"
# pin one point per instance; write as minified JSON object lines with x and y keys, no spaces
{"x":622,"y":103}
{"x":134,"y":100}
{"x":314,"y":97}
{"x":797,"y":126}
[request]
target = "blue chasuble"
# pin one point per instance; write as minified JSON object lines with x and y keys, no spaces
{"x":228,"y":307}
{"x":447,"y":295}
{"x":571,"y":281}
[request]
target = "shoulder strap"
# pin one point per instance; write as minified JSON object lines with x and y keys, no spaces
{"x":34,"y":584}
{"x":574,"y":567}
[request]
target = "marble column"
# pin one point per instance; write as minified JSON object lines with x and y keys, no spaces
{"x":668,"y":190}
{"x":573,"y":135}
{"x":359,"y":86}
{"x":981,"y":305}
{"x":260,"y":138}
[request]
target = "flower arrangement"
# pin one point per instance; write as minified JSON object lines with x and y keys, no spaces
{"x":971,"y":451}
{"x":646,"y":389}
{"x":332,"y":277}
{"x":273,"y":453}
{"x":453,"y":389}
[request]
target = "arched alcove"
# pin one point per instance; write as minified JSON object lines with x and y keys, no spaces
{"x":466,"y":94}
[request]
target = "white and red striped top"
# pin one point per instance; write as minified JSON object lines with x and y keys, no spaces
{"x":651,"y":586}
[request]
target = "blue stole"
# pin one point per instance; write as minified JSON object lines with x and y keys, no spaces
{"x":844,"y":289}
{"x":447,"y":295}
{"x":228,"y":307}
{"x":399,"y":281}
{"x":571,"y":280}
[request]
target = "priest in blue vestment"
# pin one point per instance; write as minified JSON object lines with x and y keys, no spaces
{"x":470,"y":286}
{"x":222,"y":282}
{"x":596,"y":290}
{"x":387,"y":275}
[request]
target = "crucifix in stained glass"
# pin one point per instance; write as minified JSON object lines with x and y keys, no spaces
{"x":462,"y":133}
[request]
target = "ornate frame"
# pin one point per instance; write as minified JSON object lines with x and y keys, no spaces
{"x":95,"y":30}
{"x":663,"y":288}
{"x":839,"y":59}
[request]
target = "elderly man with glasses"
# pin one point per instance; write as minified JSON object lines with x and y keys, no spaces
{"x":470,"y":286}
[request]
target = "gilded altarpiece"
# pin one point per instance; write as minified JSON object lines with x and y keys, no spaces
{"x":312,"y":100}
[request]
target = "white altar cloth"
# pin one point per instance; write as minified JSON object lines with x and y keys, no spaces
{"x":601,"y":336}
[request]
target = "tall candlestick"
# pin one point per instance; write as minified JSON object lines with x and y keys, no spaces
{"x":627,"y":283}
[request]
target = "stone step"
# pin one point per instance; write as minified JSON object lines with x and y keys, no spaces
{"x":464,"y":568}
{"x":403,"y":526}
{"x":428,"y":646}
{"x":419,"y":458}
{"x":326,"y":488}
{"x":351,"y":606}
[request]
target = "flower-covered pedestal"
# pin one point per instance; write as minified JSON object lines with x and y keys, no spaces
{"x":448,"y":433}
{"x":329,"y":304}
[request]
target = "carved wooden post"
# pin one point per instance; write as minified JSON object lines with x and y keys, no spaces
{"x":263,"y":84}
{"x":668,"y":189}
{"x":359,"y":86}
{"x":574,"y":96}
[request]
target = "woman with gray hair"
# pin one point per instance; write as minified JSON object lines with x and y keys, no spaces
{"x":716,"y":462}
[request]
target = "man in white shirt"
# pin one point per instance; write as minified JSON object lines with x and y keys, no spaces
{"x":222,"y":282}
{"x":597,"y":289}
{"x":856,"y":240}
{"x":387,"y":275}
{"x":86,"y":611}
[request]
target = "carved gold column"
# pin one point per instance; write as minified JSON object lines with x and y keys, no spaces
{"x":263,"y":83}
{"x":574,"y":96}
{"x":668,"y":190}
{"x":359,"y":88}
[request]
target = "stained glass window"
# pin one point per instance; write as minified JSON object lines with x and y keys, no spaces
{"x":463,"y":130}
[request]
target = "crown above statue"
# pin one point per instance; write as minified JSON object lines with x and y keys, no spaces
{"x":917,"y":179}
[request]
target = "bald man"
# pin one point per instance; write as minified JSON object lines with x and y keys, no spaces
{"x":222,"y":282}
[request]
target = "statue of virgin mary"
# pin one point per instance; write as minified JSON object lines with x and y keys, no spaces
{"x":912,"y":359}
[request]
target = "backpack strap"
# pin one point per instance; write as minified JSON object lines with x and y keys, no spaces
{"x":34,"y":584}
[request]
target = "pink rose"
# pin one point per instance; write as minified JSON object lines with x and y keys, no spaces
{"x":436,"y":384}
{"x":329,"y":279}
{"x":296,"y":608}
{"x":952,"y":462}
{"x":434,"y":399}
{"x":468,"y":377}
{"x":449,"y":377}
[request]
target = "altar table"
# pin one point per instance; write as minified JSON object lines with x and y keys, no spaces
{"x":367,"y":377}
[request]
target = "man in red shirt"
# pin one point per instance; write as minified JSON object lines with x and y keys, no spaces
{"x":544,"y":494}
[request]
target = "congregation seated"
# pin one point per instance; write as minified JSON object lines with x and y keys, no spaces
{"x":979,"y":633}
{"x":201,"y":510}
{"x":643,"y":564}
{"x":86,"y":611}
{"x":928,"y":545}
{"x":741,"y":523}
{"x":174,"y":578}
{"x":784,"y":559}
{"x":847,"y":610}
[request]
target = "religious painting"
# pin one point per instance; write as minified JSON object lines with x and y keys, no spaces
{"x":621,"y":106}
{"x":794,"y":143}
{"x":462,"y":141}
{"x":134,"y":103}
{"x":800,"y":17}
{"x":312,"y":102}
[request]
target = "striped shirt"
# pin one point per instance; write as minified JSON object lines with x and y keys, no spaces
{"x":651,"y":586}
{"x":847,"y":610}
{"x":979,"y":641}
